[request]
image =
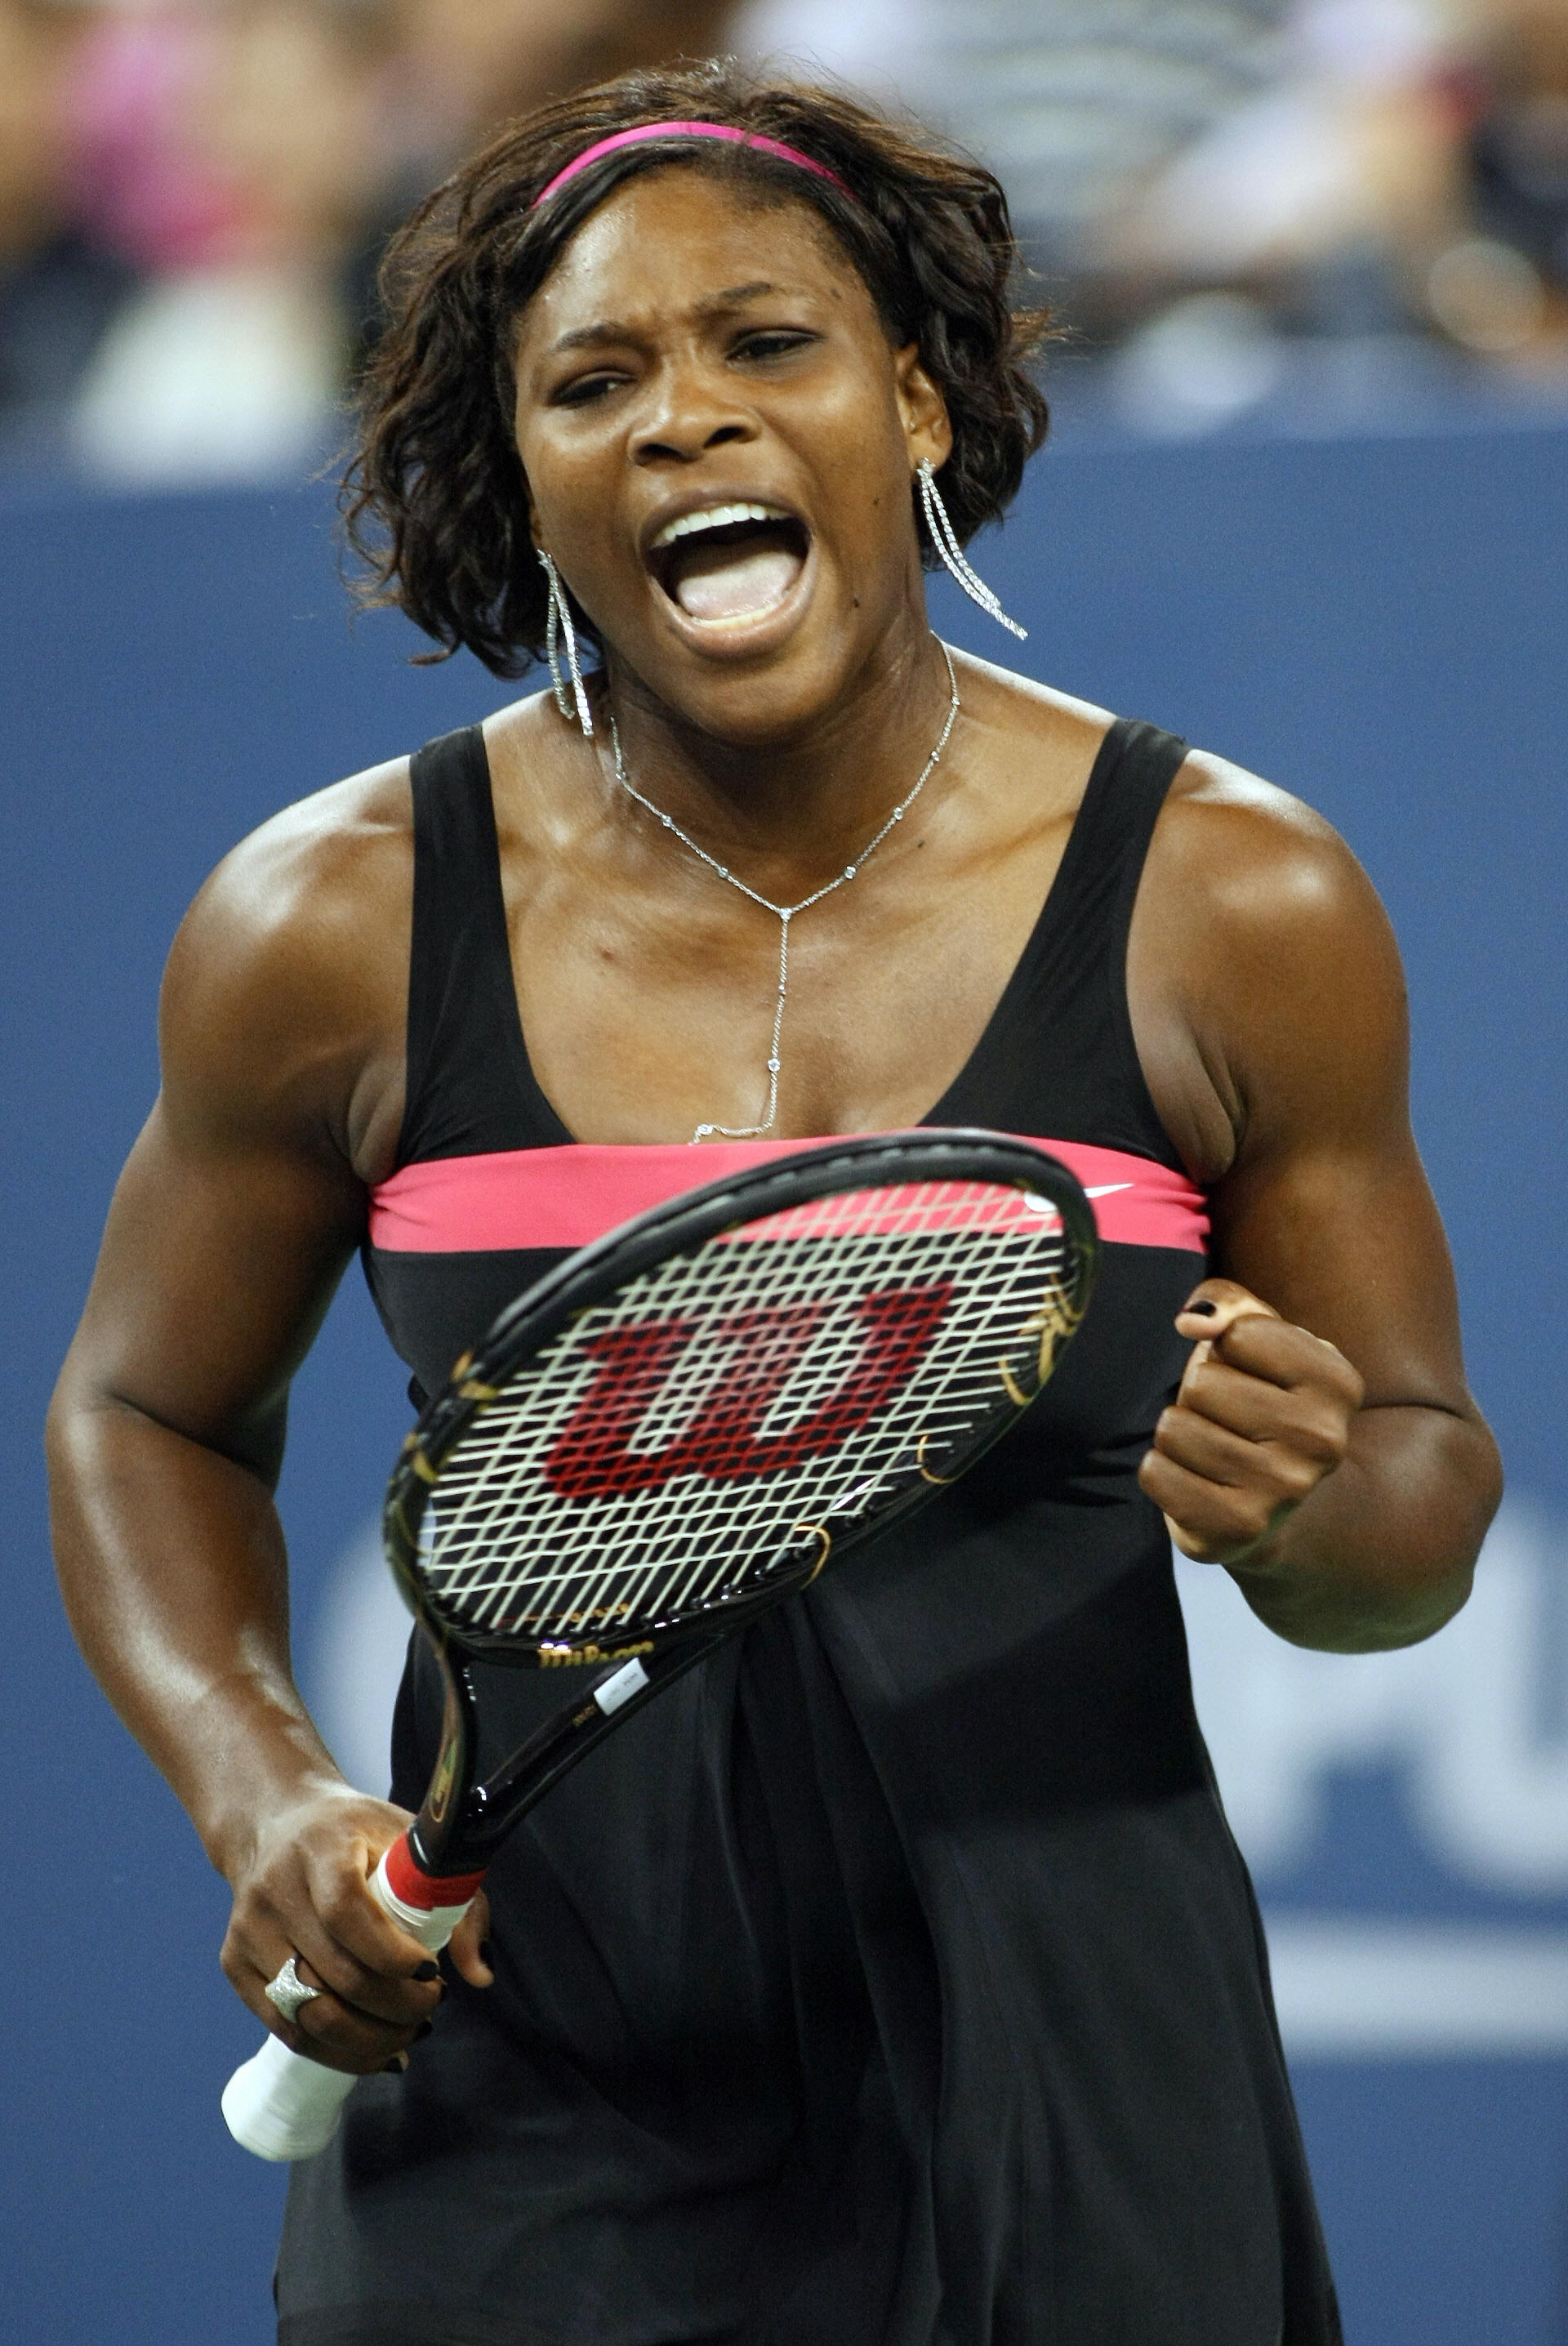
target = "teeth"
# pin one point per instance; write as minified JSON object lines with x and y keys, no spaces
{"x":716,"y":517}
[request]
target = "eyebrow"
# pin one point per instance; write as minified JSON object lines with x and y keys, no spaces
{"x":733,"y":295}
{"x":607,"y":329}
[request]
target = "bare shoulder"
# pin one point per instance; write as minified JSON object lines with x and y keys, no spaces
{"x":1260,"y":928}
{"x":1256,"y":859}
{"x":1235,"y":851}
{"x":289,"y":971}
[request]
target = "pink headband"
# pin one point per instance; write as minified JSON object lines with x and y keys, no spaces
{"x":646,"y":130}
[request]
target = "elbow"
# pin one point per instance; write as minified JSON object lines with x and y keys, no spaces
{"x":1384,"y":1554}
{"x":1434,"y":1572}
{"x":1476,"y":1480}
{"x":1489,"y":1478}
{"x":1409,"y":1616}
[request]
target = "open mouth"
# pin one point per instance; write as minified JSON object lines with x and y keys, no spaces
{"x":729,"y":563}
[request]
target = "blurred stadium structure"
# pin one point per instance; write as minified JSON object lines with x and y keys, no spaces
{"x":1243,"y":208}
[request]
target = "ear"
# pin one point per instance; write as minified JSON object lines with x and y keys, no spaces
{"x":927,"y":429}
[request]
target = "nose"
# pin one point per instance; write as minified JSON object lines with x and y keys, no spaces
{"x":691,"y":412}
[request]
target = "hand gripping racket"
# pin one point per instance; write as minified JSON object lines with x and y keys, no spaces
{"x":676,"y":1428}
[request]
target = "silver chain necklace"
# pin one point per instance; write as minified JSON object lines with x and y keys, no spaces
{"x":785,"y":913}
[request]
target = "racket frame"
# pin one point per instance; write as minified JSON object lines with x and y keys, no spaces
{"x":461,"y":1821}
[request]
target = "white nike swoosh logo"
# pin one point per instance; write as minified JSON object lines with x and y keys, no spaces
{"x":1107,"y":1188}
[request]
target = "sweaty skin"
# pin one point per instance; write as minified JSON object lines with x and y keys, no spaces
{"x":1323,"y":1447}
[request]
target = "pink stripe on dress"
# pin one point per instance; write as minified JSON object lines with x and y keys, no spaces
{"x":523,"y":1198}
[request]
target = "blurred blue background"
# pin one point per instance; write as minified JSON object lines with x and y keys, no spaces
{"x":1374,"y":618}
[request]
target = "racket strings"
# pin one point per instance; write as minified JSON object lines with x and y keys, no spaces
{"x":644,"y":1550}
{"x":657,"y":1543}
{"x":673,"y":1448}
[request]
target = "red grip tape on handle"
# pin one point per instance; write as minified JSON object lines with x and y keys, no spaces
{"x":407,"y":1881}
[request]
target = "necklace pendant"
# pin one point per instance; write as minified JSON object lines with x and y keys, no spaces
{"x":785,"y":913}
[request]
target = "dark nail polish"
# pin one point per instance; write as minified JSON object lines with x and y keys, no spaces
{"x":392,"y":2069}
{"x":422,"y":2031}
{"x":428,"y":1972}
{"x":1204,"y":1309}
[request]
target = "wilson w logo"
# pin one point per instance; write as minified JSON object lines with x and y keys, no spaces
{"x":591,"y":1456}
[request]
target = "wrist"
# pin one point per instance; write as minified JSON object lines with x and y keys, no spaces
{"x":252,"y":1771}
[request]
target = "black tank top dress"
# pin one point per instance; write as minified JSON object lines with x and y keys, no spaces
{"x":895,"y":1979}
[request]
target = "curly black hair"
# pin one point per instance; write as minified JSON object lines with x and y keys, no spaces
{"x":436,"y":504}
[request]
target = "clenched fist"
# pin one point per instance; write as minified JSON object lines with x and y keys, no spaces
{"x":1263,"y":1414}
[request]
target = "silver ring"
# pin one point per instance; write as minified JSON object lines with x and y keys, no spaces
{"x":288,"y":1992}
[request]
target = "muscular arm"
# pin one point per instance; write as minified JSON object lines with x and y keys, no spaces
{"x":1349,"y":1503}
{"x":231,"y":1227}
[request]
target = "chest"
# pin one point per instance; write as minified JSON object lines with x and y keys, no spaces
{"x":655,"y":1002}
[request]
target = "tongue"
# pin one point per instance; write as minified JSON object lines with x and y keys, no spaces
{"x":722,"y":582}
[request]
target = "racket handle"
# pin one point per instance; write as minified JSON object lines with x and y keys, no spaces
{"x":281,"y":2105}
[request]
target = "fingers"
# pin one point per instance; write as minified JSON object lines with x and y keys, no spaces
{"x":378,"y":1979}
{"x":1217,"y":1304}
{"x":309,"y":1894}
{"x":1212,"y":1524}
{"x":332,"y":2030}
{"x":340,"y":2026}
{"x":1221,"y":1493}
{"x":469,"y":1948}
{"x":1263,"y":1414}
{"x":1289,"y":1461}
{"x":361,"y":1954}
{"x":1286,"y":1395}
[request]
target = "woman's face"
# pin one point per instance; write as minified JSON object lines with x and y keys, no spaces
{"x":720,"y":443}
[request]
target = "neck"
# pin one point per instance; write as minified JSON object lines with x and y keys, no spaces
{"x":793,"y":807}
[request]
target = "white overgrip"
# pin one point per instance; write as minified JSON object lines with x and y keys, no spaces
{"x":283,"y":2105}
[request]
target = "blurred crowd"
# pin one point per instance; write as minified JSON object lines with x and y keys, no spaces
{"x":1217,"y":193}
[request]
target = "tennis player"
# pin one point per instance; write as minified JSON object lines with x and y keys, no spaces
{"x":895,"y":1977}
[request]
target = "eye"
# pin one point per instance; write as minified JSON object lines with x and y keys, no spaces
{"x":773,"y":343}
{"x":583,"y":389}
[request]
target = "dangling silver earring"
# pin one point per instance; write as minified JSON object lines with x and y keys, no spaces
{"x":559,"y":623}
{"x":953,"y":556}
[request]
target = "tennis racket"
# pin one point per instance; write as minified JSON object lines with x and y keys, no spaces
{"x":676,"y":1428}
